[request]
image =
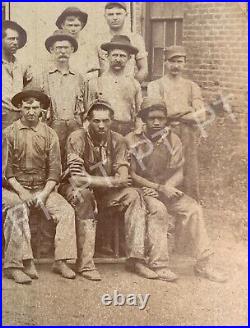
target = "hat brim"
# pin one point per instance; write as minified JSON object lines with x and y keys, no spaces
{"x":83,"y":18}
{"x":22,"y":33}
{"x":40,"y":96}
{"x":115,"y":45}
{"x":52,"y":39}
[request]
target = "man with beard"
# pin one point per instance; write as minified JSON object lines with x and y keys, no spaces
{"x":115,"y":15}
{"x":65,"y":87}
{"x":98,"y":171}
{"x":33,"y":169}
{"x":121,"y":90}
{"x":184,"y":102}
{"x":157,"y":167}
{"x":73,"y":20}
{"x":14,"y":75}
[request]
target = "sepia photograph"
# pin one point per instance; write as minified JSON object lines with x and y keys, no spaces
{"x":124,"y":163}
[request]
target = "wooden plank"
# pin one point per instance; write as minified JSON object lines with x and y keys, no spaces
{"x":170,"y":33}
{"x":179,"y":32}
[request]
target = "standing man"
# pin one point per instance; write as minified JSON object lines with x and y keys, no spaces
{"x":64,"y":86}
{"x":121,"y":90}
{"x":184,"y":103}
{"x":98,"y":169}
{"x":157,"y":167}
{"x":14,"y":75}
{"x":32,"y":171}
{"x":73,"y":20}
{"x":115,"y":15}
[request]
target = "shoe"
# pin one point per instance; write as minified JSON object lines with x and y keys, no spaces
{"x":93,"y":275}
{"x":30,"y":269}
{"x":144,"y":271}
{"x":18,"y":275}
{"x":210,"y":273}
{"x":166,"y":274}
{"x":62,"y":268}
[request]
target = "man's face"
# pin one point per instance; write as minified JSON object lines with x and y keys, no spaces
{"x":10,"y":41}
{"x":118,"y":59}
{"x":73,"y":25}
{"x":100,"y":122}
{"x":31,"y":111}
{"x":62,"y":50}
{"x":115,"y":17}
{"x":155,"y":121}
{"x":176,"y":65}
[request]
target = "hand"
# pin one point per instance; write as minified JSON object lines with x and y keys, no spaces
{"x":40,"y":199}
{"x":27,"y":197}
{"x":120,"y":182}
{"x":150,"y":192}
{"x":171,"y":192}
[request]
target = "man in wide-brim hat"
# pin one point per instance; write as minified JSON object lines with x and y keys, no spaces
{"x":72,"y":19}
{"x":64,"y":85}
{"x":15,"y":75}
{"x":120,"y":89}
{"x":32,"y":168}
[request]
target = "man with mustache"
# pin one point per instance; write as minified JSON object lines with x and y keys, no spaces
{"x":14,"y":75}
{"x":65,"y":87}
{"x":115,"y":15}
{"x":123,"y":91}
{"x":73,"y":20}
{"x":157,"y":167}
{"x":184,"y":102}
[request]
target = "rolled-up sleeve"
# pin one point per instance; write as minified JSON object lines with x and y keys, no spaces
{"x":54,"y":158}
{"x":7,"y":155}
{"x":177,"y":158}
{"x":120,"y":154}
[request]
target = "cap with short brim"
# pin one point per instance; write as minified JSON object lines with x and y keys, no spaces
{"x":150,"y":103}
{"x":110,"y":5}
{"x":175,"y":51}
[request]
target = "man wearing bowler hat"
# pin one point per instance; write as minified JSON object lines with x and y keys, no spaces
{"x":73,"y":20}
{"x":115,"y":16}
{"x":14,"y":74}
{"x":64,"y":86}
{"x":157,"y":167}
{"x":123,"y":91}
{"x":185,"y":106}
{"x":33,"y":169}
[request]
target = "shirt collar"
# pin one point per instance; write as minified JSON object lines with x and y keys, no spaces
{"x":140,"y":132}
{"x":54,"y":69}
{"x":21,"y":126}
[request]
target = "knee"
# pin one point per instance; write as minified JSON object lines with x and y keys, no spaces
{"x":195,"y":210}
{"x":67,"y":212}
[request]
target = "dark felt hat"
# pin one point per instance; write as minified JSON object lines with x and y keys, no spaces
{"x":36,"y":93}
{"x":61,"y":35}
{"x":22,"y":33}
{"x":100,"y":102}
{"x":72,"y":11}
{"x":110,"y":5}
{"x":120,"y":42}
{"x":150,"y":103}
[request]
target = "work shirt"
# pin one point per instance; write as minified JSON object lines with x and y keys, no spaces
{"x":97,"y":159}
{"x":158,"y":160}
{"x":123,"y":93}
{"x":14,"y":77}
{"x":33,"y":154}
{"x":136,"y":41}
{"x":180,"y":95}
{"x":66,"y":91}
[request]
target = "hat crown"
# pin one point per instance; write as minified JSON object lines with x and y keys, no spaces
{"x":61,"y":33}
{"x":110,"y":5}
{"x":122,"y":39}
{"x":173,"y":51}
{"x":149,"y":102}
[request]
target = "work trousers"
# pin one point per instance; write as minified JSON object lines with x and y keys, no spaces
{"x":17,"y":231}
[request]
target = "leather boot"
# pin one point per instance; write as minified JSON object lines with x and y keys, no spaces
{"x":86,"y":233}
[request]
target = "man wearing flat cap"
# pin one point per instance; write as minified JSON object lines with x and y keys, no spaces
{"x":32,"y":168}
{"x":157,"y":167}
{"x":64,"y":86}
{"x":185,"y":105}
{"x":98,"y":170}
{"x":115,"y":15}
{"x":73,"y":20}
{"x":121,"y":90}
{"x":15,"y":75}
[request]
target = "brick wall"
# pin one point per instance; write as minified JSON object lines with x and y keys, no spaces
{"x":215,"y":36}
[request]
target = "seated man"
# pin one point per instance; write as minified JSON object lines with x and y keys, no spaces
{"x":157,"y":166}
{"x":98,"y":171}
{"x":31,"y":168}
